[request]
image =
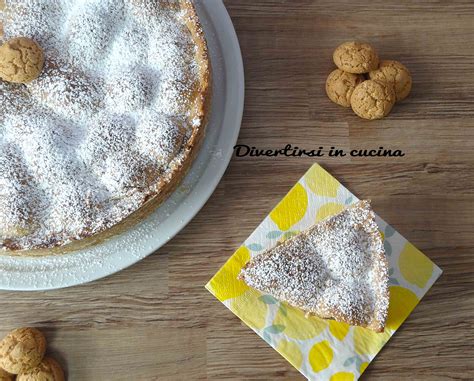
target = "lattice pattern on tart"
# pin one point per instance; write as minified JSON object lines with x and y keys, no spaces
{"x":107,"y":124}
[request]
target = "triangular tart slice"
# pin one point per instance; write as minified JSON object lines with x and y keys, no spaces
{"x":336,"y":269}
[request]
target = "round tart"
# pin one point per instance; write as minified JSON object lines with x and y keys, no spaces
{"x":111,"y":125}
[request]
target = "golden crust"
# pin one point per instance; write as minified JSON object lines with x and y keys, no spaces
{"x":164,"y":187}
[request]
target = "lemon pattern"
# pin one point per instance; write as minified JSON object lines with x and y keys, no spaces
{"x":255,"y":310}
{"x":415,"y":267}
{"x":320,"y":356}
{"x":338,"y":330}
{"x":320,"y":349}
{"x":291,"y":351}
{"x":291,"y":209}
{"x":342,"y":376}
{"x":320,"y":182}
{"x":367,"y":342}
{"x":220,"y":285}
{"x":329,"y":209}
{"x":297,"y":326}
{"x":402,"y":302}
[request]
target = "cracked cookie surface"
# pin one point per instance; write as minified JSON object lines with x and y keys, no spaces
{"x":395,"y":73}
{"x":21,"y":60}
{"x":340,"y":85}
{"x":48,"y":370}
{"x":355,"y":57}
{"x":22,"y":349}
{"x":373,"y":99}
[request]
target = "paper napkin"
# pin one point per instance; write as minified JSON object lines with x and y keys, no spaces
{"x":320,"y":349}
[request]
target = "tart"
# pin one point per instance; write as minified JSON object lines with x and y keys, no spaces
{"x":110,"y":126}
{"x":337,"y":270}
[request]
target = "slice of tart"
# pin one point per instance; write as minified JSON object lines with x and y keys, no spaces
{"x":336,"y":269}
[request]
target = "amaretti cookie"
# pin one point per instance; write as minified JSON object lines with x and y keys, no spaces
{"x":21,"y":60}
{"x":396,"y":74}
{"x":355,"y":57}
{"x":22,"y":349}
{"x":373,"y":99}
{"x":340,"y":85}
{"x":48,"y":370}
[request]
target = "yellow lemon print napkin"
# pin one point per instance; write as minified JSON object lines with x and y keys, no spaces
{"x":320,"y":349}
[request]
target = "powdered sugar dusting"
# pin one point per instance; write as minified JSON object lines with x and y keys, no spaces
{"x":82,"y":146}
{"x":336,"y":269}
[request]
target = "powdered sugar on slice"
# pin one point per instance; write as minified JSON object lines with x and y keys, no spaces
{"x":336,"y":269}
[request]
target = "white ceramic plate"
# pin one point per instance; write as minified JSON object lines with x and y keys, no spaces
{"x":143,"y":239}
